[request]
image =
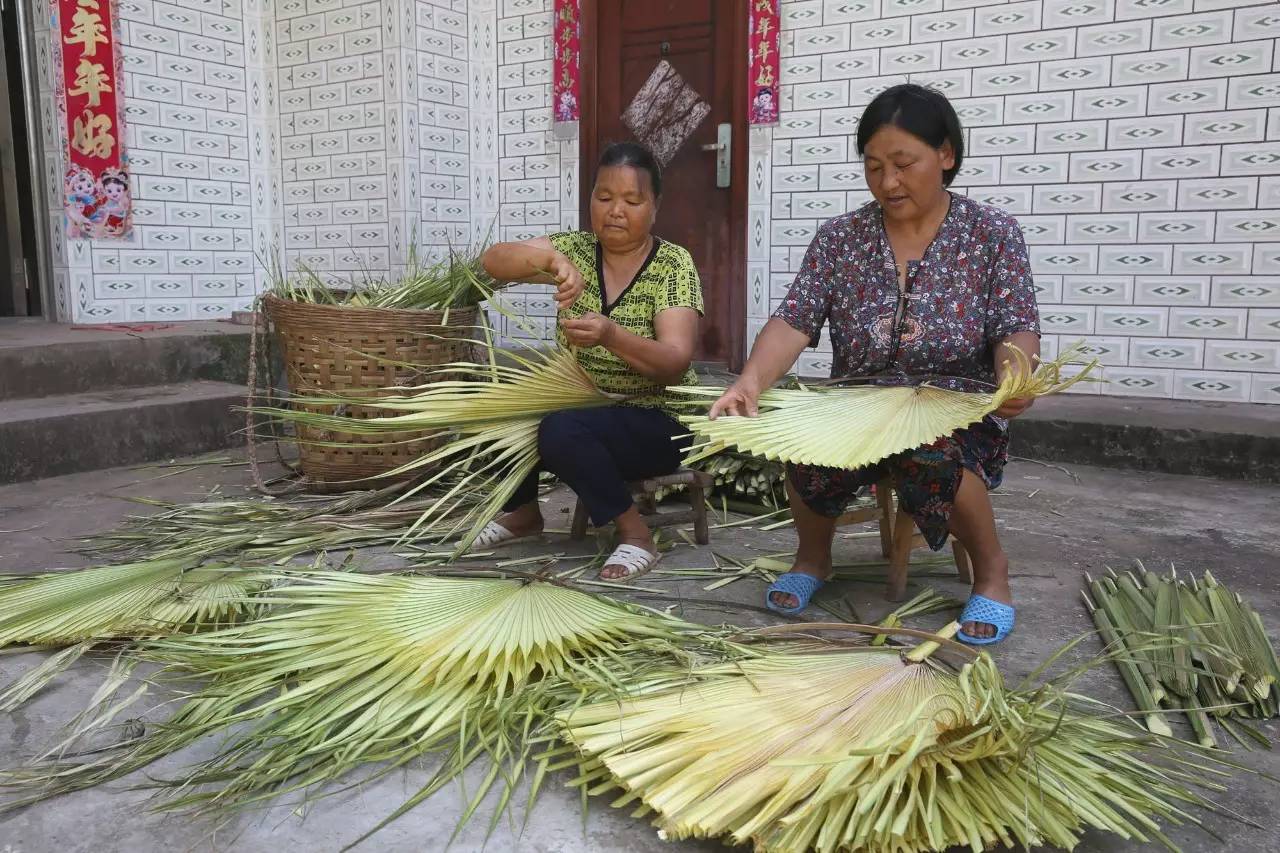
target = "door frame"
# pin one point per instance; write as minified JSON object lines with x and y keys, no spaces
{"x":39,"y":269}
{"x":589,"y":153}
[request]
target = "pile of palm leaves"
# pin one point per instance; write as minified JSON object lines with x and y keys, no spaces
{"x":832,"y":747}
{"x":456,"y":668}
{"x":817,"y":744}
{"x":853,"y":427}
{"x":1194,"y":646}
{"x":455,"y":281}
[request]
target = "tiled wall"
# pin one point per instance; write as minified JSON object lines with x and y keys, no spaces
{"x":328,"y":132}
{"x":536,"y":173}
{"x":1137,"y":141}
{"x":187,"y":109}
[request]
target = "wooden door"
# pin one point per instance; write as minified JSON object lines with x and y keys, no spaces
{"x":706,"y":42}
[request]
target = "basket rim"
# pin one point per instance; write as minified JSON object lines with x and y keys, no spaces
{"x":270,"y":299}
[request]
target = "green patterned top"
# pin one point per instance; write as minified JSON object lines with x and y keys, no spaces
{"x":666,"y":279}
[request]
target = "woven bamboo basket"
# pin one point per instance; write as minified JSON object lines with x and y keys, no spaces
{"x":363,"y":352}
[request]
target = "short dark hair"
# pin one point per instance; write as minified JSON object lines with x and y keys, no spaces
{"x":636,"y":156}
{"x":923,"y":113}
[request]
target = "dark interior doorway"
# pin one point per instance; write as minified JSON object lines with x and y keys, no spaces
{"x":19,"y":202}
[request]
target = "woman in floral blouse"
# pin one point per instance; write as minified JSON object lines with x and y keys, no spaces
{"x":919,"y":283}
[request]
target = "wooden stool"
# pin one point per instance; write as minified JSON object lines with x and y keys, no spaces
{"x":643,"y":491}
{"x":898,"y":538}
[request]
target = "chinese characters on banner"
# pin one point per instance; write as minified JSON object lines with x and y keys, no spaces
{"x":565,"y":64}
{"x":96,"y":184}
{"x":762,"y":82}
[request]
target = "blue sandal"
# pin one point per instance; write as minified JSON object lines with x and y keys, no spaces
{"x":799,"y":584}
{"x":984,"y":610}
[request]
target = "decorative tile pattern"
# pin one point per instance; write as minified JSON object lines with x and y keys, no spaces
{"x":1138,"y":142}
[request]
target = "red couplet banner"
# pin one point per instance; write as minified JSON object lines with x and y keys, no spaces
{"x":96,"y":183}
{"x":762,"y":82}
{"x":566,"y":67}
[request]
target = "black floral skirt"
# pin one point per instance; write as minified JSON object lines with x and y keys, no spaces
{"x":926,"y":478}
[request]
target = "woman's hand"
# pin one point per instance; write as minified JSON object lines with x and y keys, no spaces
{"x":589,"y":330}
{"x":1029,"y":344}
{"x":740,"y":399}
{"x":1013,"y":408}
{"x":569,"y":281}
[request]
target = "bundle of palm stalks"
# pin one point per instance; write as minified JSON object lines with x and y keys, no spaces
{"x":1188,"y":645}
{"x":853,"y":427}
{"x":455,"y":281}
{"x":746,"y":478}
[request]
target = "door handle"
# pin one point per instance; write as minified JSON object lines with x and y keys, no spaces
{"x":724,"y":137}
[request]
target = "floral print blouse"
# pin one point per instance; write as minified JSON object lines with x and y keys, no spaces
{"x":971,"y":289}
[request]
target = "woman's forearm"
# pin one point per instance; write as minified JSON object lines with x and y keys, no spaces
{"x":524,"y":262}
{"x":661,"y":362}
{"x":1028,"y":342}
{"x":776,"y":349}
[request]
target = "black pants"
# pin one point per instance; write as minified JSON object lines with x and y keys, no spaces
{"x":596,"y":451}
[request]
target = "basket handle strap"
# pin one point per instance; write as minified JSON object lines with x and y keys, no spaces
{"x":250,"y":427}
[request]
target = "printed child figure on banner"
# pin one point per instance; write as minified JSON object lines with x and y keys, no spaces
{"x":97,"y":209}
{"x":764,"y":108}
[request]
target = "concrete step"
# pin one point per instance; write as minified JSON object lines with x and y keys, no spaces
{"x":67,"y":433}
{"x":1237,"y":441}
{"x":39,"y":359}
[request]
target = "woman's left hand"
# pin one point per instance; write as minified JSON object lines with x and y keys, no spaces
{"x":1013,"y":408}
{"x":589,"y":330}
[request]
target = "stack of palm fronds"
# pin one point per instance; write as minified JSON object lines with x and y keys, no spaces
{"x":803,"y":745}
{"x":853,"y":427}
{"x":352,"y":671}
{"x":1194,"y":646}
{"x":830,"y":747}
{"x":456,"y":281}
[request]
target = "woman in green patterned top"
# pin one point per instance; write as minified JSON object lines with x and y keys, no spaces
{"x":629,"y":302}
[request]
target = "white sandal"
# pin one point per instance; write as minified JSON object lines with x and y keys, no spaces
{"x":494,"y":535}
{"x":633,"y":560}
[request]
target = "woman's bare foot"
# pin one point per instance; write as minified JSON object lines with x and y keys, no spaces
{"x":631,"y":530}
{"x":991,"y":581}
{"x":523,"y":521}
{"x":615,"y":572}
{"x":787,"y":600}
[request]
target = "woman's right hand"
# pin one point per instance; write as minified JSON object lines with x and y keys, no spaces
{"x":569,"y":281}
{"x":740,"y":400}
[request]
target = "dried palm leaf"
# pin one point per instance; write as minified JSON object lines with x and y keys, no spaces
{"x":854,"y":427}
{"x":491,"y":424}
{"x":149,"y":598}
{"x":358,"y":671}
{"x":864,"y":749}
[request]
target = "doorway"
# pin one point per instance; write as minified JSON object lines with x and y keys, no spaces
{"x":705,"y":42}
{"x":20,"y":190}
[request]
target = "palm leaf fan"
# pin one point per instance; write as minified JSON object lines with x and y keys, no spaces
{"x":865,"y":749}
{"x":350,"y":670}
{"x":491,"y":424}
{"x":853,"y":427}
{"x":148,"y":598}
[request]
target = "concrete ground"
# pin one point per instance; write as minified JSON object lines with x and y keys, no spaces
{"x":1054,"y":528}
